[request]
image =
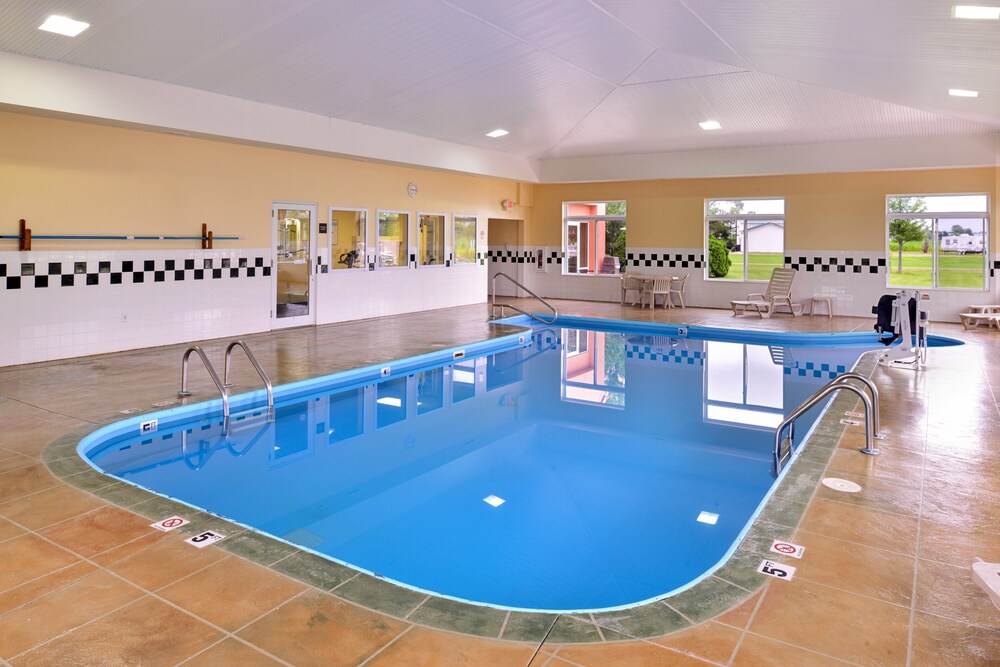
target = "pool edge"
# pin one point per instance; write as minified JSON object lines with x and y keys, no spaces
{"x":725,"y":587}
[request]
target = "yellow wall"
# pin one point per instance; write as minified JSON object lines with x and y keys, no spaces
{"x":67,"y":177}
{"x":822,"y":211}
{"x":72,"y":177}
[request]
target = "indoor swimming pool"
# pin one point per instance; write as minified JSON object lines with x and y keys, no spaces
{"x":591,"y":465}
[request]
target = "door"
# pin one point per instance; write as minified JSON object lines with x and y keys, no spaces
{"x":294,"y":275}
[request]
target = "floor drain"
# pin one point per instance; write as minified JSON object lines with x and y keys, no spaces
{"x":838,"y":484}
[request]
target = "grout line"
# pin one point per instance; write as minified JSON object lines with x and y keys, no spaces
{"x":801,"y":648}
{"x":239,"y":640}
{"x":746,"y":628}
{"x":345,"y":581}
{"x":386,"y":645}
{"x":676,"y":611}
{"x":503,"y":626}
{"x":916,"y":555}
{"x":545,"y":638}
{"x":82,"y":625}
{"x":421,"y":604}
{"x":600,"y":633}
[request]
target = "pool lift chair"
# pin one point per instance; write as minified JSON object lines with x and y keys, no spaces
{"x":899,"y":317}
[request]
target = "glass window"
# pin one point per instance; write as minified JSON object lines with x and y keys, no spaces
{"x":464,"y":239}
{"x":430,"y":239}
{"x":348,"y":235}
{"x":745,"y":238}
{"x":594,"y":238}
{"x":937,"y":241}
{"x":393,"y":228}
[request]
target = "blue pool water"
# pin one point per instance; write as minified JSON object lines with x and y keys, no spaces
{"x":622,"y":464}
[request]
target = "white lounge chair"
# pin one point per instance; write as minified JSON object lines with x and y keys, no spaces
{"x":779,"y":293}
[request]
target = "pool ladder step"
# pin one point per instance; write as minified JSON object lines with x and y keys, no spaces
{"x":225,"y":384}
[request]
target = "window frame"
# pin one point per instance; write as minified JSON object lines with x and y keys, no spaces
{"x":935,"y":217}
{"x":405,"y":244}
{"x":329,"y":238}
{"x":566,"y":222}
{"x":744,"y":217}
{"x":444,"y":240}
{"x":452,"y":250}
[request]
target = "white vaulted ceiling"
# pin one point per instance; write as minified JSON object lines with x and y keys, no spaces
{"x":566,"y":78}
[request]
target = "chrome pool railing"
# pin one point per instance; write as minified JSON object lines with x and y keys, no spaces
{"x":256,"y":365}
{"x":837,"y":384}
{"x":223,"y":391}
{"x":224,"y":385}
{"x":493,"y":309}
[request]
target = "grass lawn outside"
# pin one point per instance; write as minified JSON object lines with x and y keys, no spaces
{"x":954,"y":270}
{"x":759,"y":265}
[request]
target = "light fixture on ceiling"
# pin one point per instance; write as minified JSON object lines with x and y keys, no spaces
{"x":497,"y":133}
{"x":958,"y":92}
{"x":710,"y":125}
{"x":495,"y":501}
{"x":63,"y":26}
{"x":975,"y":12}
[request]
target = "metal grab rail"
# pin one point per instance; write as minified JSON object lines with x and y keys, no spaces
{"x":834,"y":385}
{"x":555,"y":313}
{"x":876,"y":428}
{"x":211,"y":371}
{"x":253,"y":361}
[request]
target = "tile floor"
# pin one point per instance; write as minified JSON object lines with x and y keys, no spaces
{"x":885,"y":580}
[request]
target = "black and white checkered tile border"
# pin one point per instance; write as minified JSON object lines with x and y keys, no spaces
{"x":666,"y":259}
{"x":511,"y":256}
{"x":69,"y":274}
{"x":835,"y":264}
{"x":651,"y":353}
{"x":554,"y":258}
{"x":813,"y":370}
{"x":994,"y":268}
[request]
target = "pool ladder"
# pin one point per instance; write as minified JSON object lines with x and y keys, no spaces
{"x":495,"y":305}
{"x":224,"y":385}
{"x":842,"y":381}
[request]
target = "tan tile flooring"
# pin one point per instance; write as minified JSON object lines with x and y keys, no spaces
{"x":885,"y":579}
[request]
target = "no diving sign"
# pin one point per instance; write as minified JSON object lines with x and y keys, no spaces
{"x":169,"y":524}
{"x":788,"y":549}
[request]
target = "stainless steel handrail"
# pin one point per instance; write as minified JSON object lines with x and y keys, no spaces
{"x":876,"y":424}
{"x":253,"y":360}
{"x":555,"y":313}
{"x":211,"y":371}
{"x":824,"y":391}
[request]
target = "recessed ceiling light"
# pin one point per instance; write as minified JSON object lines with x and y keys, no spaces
{"x":708,"y":517}
{"x":710,"y":125}
{"x":63,"y":26}
{"x":958,"y":92}
{"x":496,"y":501}
{"x":975,"y":12}
{"x":497,"y":133}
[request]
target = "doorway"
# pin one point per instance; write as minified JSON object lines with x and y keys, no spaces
{"x":294,"y":242}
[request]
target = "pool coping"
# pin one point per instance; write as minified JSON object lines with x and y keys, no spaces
{"x":723,"y":589}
